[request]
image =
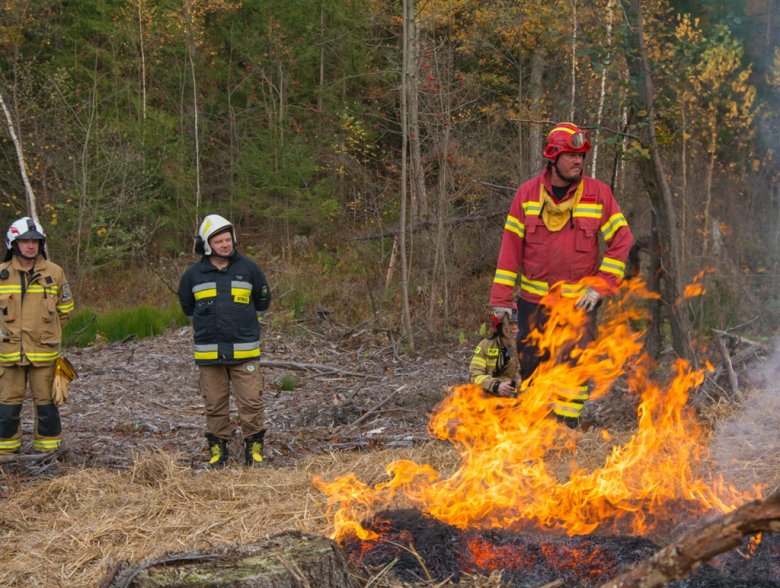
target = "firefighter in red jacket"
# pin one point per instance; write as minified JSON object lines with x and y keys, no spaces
{"x":551,"y":239}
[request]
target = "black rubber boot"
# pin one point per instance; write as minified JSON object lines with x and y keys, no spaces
{"x":218,"y":450}
{"x":253,"y":450}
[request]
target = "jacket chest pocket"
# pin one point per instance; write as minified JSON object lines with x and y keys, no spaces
{"x":586,"y":237}
{"x":535,"y":233}
{"x":8,"y":308}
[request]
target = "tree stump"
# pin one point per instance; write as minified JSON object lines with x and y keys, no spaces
{"x":287,"y":560}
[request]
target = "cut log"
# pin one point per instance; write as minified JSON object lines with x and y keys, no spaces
{"x":701,"y":545}
{"x":287,"y":560}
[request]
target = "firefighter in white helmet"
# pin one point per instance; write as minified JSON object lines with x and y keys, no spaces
{"x":35,"y":302}
{"x":224,"y":295}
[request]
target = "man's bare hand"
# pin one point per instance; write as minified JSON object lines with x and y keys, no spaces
{"x":506,"y":389}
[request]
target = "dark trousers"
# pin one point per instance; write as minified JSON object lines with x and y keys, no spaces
{"x":534,"y":317}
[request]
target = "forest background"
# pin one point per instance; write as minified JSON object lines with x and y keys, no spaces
{"x":368,"y":150}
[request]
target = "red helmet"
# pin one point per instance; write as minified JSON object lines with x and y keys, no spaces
{"x":497,"y":320}
{"x":566,"y":138}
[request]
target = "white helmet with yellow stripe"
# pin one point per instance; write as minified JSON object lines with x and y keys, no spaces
{"x":211,"y":226}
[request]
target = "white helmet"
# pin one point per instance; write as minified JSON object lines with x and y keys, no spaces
{"x":210,"y":226}
{"x":25,"y":228}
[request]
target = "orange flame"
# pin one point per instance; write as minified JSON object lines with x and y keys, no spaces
{"x":503,"y":479}
{"x":696,"y":288}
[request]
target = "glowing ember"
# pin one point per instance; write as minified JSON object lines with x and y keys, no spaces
{"x":504,"y":480}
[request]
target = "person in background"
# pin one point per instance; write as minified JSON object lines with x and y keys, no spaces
{"x":224,"y":295}
{"x":493,"y":365}
{"x":35,"y":304}
{"x":551,"y":239}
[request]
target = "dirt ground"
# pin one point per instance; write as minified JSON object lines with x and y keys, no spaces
{"x":143,"y":394}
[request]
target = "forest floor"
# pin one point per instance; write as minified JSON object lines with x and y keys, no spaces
{"x":134,"y":433}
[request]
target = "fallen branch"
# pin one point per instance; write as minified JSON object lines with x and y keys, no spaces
{"x":701,"y":545}
{"x":726,"y":358}
{"x":376,"y":407}
{"x":74,"y":337}
{"x":316,"y":367}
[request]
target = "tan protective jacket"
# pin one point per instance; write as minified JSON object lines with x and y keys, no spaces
{"x":487,"y":360}
{"x":34,"y":309}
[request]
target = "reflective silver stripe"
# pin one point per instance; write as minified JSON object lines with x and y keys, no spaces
{"x":206,"y":286}
{"x":245,"y":285}
{"x":246,"y":346}
{"x":206,"y":348}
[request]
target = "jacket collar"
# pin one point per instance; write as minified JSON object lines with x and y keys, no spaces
{"x":38,"y":266}
{"x":207,"y":266}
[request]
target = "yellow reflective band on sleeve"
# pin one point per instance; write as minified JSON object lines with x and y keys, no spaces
{"x":505,"y":277}
{"x":609,"y":228}
{"x":531,"y":208}
{"x":588,"y":211}
{"x":613,"y":266}
{"x":478,"y":361}
{"x":11,"y":445}
{"x":480,"y":379}
{"x":534,"y":286}
{"x":46,"y":444}
{"x":573,"y":290}
{"x":16,"y":356}
{"x":42,"y":356}
{"x":206,"y":294}
{"x":515,"y":226}
{"x":65,"y":307}
{"x":10,"y":289}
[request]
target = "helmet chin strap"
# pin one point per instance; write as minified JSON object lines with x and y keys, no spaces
{"x":564,"y":178}
{"x":18,"y":252}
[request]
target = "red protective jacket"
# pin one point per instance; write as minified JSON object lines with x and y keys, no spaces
{"x":545,"y":258}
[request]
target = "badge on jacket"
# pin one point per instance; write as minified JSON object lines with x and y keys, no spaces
{"x":250,"y":368}
{"x":65,"y":293}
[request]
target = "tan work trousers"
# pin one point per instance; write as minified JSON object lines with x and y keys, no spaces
{"x":247,"y":381}
{"x":14,"y":380}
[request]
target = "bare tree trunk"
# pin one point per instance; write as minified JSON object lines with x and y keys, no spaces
{"x":684,"y":202}
{"x":573,"y":59}
{"x":708,"y":197}
{"x":419,"y":198}
{"x":31,"y":204}
{"x":322,"y":68}
{"x":406,"y":316}
{"x":521,"y":154}
{"x":190,"y":40}
{"x":603,"y":90}
{"x":143,"y":58}
{"x":537,"y":95}
{"x":657,"y":186}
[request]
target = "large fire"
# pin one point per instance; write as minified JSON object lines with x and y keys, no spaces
{"x":505,"y":479}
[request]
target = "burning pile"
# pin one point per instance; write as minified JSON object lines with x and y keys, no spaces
{"x":507,"y":446}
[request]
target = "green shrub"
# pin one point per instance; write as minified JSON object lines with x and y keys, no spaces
{"x":289,"y":382}
{"x":87,"y":327}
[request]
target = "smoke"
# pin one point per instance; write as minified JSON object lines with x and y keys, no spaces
{"x":746,"y":445}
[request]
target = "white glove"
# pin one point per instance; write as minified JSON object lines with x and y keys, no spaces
{"x":500,"y":311}
{"x":588,"y":300}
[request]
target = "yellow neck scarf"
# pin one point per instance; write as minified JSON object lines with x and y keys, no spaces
{"x":555,"y":216}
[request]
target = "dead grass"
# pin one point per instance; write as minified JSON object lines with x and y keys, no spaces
{"x":66,"y":531}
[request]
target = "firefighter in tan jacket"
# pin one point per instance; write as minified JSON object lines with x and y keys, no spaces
{"x":34,"y":304}
{"x":493,"y":367}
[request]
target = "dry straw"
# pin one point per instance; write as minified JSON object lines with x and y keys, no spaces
{"x":66,"y":531}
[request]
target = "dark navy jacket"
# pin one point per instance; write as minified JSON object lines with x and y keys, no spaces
{"x":225,"y":307}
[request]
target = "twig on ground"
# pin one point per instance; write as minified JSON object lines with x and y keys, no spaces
{"x":74,"y":337}
{"x":726,"y":357}
{"x":323,"y":369}
{"x":376,"y":407}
